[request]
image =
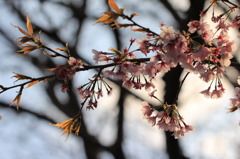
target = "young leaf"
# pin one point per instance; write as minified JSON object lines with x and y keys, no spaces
{"x":107,"y":18}
{"x":20,"y":76}
{"x":51,"y":69}
{"x":32,"y":83}
{"x":28,"y":48}
{"x":66,"y":126}
{"x":116,"y":51}
{"x":70,"y":125}
{"x":119,"y":25}
{"x":114,"y":6}
{"x":139,"y":30}
{"x":17,"y":100}
{"x":29,"y":26}
{"x":61,"y":49}
{"x":49,"y":54}
{"x":21,"y":30}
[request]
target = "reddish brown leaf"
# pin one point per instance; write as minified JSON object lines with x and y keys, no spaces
{"x":28,"y":48}
{"x":20,"y":76}
{"x":32,"y":83}
{"x":29,"y":26}
{"x":139,"y":30}
{"x":17,"y":99}
{"x":61,"y":49}
{"x":21,"y":30}
{"x":51,"y":69}
{"x":114,"y":6}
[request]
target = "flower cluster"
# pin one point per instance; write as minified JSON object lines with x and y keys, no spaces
{"x":172,"y":49}
{"x":66,"y":72}
{"x":208,"y":59}
{"x":216,"y":93}
{"x":167,"y":119}
{"x":93,"y":90}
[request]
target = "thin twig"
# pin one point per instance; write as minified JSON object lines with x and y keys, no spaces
{"x":180,"y":87}
{"x":3,"y":89}
{"x":55,"y":52}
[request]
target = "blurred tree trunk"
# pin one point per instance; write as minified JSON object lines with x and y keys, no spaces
{"x":172,"y":78}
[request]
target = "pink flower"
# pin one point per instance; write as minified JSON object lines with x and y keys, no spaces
{"x":223,"y":24}
{"x":222,"y":38}
{"x":92,"y":104}
{"x":137,"y":85}
{"x":206,"y":32}
{"x":181,"y":44}
{"x":236,"y":22}
{"x":152,"y":120}
{"x":235,"y":102}
{"x":99,"y":56}
{"x":216,"y":93}
{"x":178,"y":133}
{"x":99,"y":94}
{"x":144,"y":46}
{"x":65,"y":88}
{"x":207,"y":76}
{"x":169,"y":119}
{"x":146,"y":109}
{"x":173,"y":124}
{"x":132,"y":40}
{"x":128,"y":84}
{"x":188,"y":128}
{"x":150,"y":69}
{"x":202,"y":54}
{"x":206,"y":93}
{"x":152,"y":93}
{"x":149,"y":85}
{"x":65,"y":72}
{"x":163,"y":66}
{"x":126,"y":66}
{"x":220,"y":87}
{"x":215,"y":19}
{"x":133,"y":69}
{"x":193,"y":26}
{"x":109,"y":73}
{"x":162,"y":125}
{"x":160,"y":114}
{"x":72,"y":61}
{"x":167,"y":33}
{"x":84,"y":93}
{"x":120,"y":75}
{"x":237,"y":89}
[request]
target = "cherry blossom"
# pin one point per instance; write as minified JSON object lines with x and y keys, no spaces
{"x":169,"y":119}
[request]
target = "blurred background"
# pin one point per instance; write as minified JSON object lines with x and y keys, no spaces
{"x":116,"y":129}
